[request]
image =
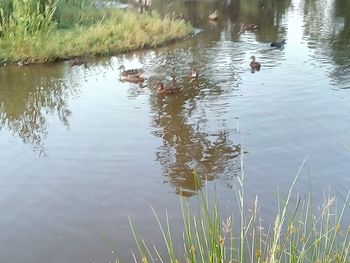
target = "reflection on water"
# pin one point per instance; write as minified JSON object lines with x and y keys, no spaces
{"x":111,"y":145}
{"x":186,"y":144}
{"x":327,"y":30}
{"x":28,"y":96}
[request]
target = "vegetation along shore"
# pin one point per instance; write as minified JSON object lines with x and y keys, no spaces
{"x":301,"y":232}
{"x":34,"y":31}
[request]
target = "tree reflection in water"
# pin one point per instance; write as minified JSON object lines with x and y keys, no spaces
{"x":268,"y":14}
{"x":187,"y":146}
{"x":28,"y":96}
{"x":327,"y":30}
{"x":181,"y":120}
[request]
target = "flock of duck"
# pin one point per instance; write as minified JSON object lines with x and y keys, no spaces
{"x":254,"y":65}
{"x":137,"y":75}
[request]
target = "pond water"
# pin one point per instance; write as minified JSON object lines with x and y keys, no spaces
{"x":81,"y":151}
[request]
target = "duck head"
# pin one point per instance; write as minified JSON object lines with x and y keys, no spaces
{"x":193,"y":73}
{"x":214,"y":15}
{"x":160,"y":86}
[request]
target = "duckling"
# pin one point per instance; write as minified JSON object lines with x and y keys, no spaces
{"x":255,"y":66}
{"x":77,"y":62}
{"x":214,"y":15}
{"x":131,"y":75}
{"x":278,"y":44}
{"x":193,"y":73}
{"x":162,"y":90}
{"x":245,"y":27}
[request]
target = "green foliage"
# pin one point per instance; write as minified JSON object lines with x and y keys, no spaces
{"x":27,"y":18}
{"x":49,"y":30}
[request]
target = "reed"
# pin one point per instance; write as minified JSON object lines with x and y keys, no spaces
{"x":26,"y":18}
{"x":300,"y":232}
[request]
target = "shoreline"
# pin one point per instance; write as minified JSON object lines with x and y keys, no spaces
{"x":121,"y":32}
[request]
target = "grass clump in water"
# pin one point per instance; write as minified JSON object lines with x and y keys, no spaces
{"x":48,"y":30}
{"x":299,"y":234}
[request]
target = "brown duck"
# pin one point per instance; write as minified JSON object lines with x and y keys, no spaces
{"x":162,"y":90}
{"x":131,"y":75}
{"x":254,"y":65}
{"x":77,"y":62}
{"x":244,"y":27}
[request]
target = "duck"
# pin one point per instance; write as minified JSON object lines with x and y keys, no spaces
{"x":77,"y":62}
{"x":163,"y":90}
{"x":244,"y":27}
{"x":133,"y":78}
{"x":131,"y":75}
{"x":255,"y":66}
{"x":214,"y":15}
{"x":278,"y":44}
{"x":193,"y":73}
{"x":124,"y":72}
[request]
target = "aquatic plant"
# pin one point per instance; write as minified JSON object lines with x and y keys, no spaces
{"x":298,"y":234}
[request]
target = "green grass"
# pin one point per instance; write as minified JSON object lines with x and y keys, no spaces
{"x":301,"y":232}
{"x":52,"y":31}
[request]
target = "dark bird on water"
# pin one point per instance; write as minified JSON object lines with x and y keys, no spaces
{"x":278,"y":44}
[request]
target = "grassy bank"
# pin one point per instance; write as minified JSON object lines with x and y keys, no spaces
{"x":301,"y":232}
{"x":34,"y":31}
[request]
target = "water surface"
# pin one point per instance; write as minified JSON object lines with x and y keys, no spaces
{"x":82,"y":151}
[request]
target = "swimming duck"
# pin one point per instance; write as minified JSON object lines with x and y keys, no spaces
{"x":192,"y":73}
{"x":162,"y":90}
{"x":214,"y":15}
{"x":278,"y":44}
{"x":255,"y":66}
{"x":77,"y":62}
{"x":245,"y":27}
{"x":133,"y":78}
{"x":131,"y":75}
{"x":125,"y":72}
